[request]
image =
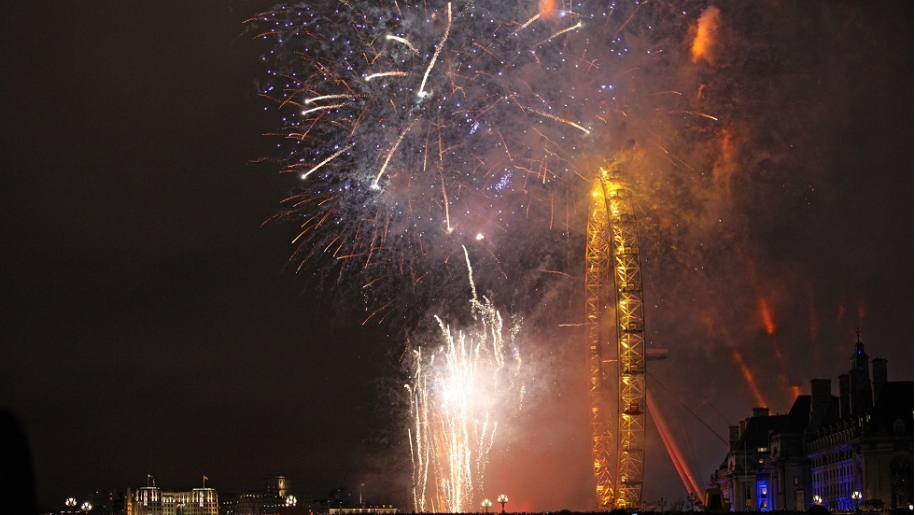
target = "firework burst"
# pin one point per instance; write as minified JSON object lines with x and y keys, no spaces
{"x":460,"y":392}
{"x":417,"y":129}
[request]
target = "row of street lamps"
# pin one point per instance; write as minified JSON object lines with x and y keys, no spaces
{"x":502,"y":499}
{"x":71,"y":502}
{"x":487,"y":504}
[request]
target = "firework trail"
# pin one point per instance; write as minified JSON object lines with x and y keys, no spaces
{"x":460,"y":392}
{"x":418,"y":130}
{"x":415,"y":129}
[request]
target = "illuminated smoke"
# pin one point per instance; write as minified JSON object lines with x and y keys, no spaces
{"x":766,"y":316}
{"x":706,"y":32}
{"x":721,"y":333}
{"x":547,"y":8}
{"x":737,"y":138}
{"x":726,"y":165}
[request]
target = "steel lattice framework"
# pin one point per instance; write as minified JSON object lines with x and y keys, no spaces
{"x":612,"y":257}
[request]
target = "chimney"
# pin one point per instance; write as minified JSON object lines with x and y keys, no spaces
{"x":733,"y":437}
{"x":844,"y":396}
{"x":878,"y":365}
{"x":821,"y":394}
{"x":820,"y":400}
{"x":760,"y":412}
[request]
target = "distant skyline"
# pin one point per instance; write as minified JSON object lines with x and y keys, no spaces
{"x":153,"y":323}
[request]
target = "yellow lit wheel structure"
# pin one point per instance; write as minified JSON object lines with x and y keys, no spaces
{"x":613,"y":295}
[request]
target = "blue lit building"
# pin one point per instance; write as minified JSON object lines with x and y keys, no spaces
{"x":850,"y":452}
{"x":746,"y":478}
{"x":863,"y":458}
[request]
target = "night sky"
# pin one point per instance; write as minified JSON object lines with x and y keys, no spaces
{"x":152,"y":324}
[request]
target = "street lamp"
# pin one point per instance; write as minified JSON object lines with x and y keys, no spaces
{"x":502,"y":499}
{"x":856,"y":495}
{"x":86,"y":507}
{"x":70,"y":502}
{"x":817,"y":499}
{"x":486,"y":504}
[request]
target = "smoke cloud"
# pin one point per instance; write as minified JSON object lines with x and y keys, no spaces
{"x":747,"y":133}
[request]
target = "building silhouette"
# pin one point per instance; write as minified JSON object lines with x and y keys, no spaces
{"x":846,"y":453}
{"x":273,"y":499}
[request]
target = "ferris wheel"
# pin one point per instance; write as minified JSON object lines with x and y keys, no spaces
{"x":614,"y":310}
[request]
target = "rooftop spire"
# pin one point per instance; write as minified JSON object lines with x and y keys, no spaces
{"x":859,"y":358}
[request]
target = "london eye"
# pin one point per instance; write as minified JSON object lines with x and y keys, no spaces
{"x":614,"y":311}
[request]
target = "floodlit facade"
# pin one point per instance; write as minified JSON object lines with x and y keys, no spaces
{"x":850,"y":452}
{"x":150,"y":500}
{"x":146,"y":501}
